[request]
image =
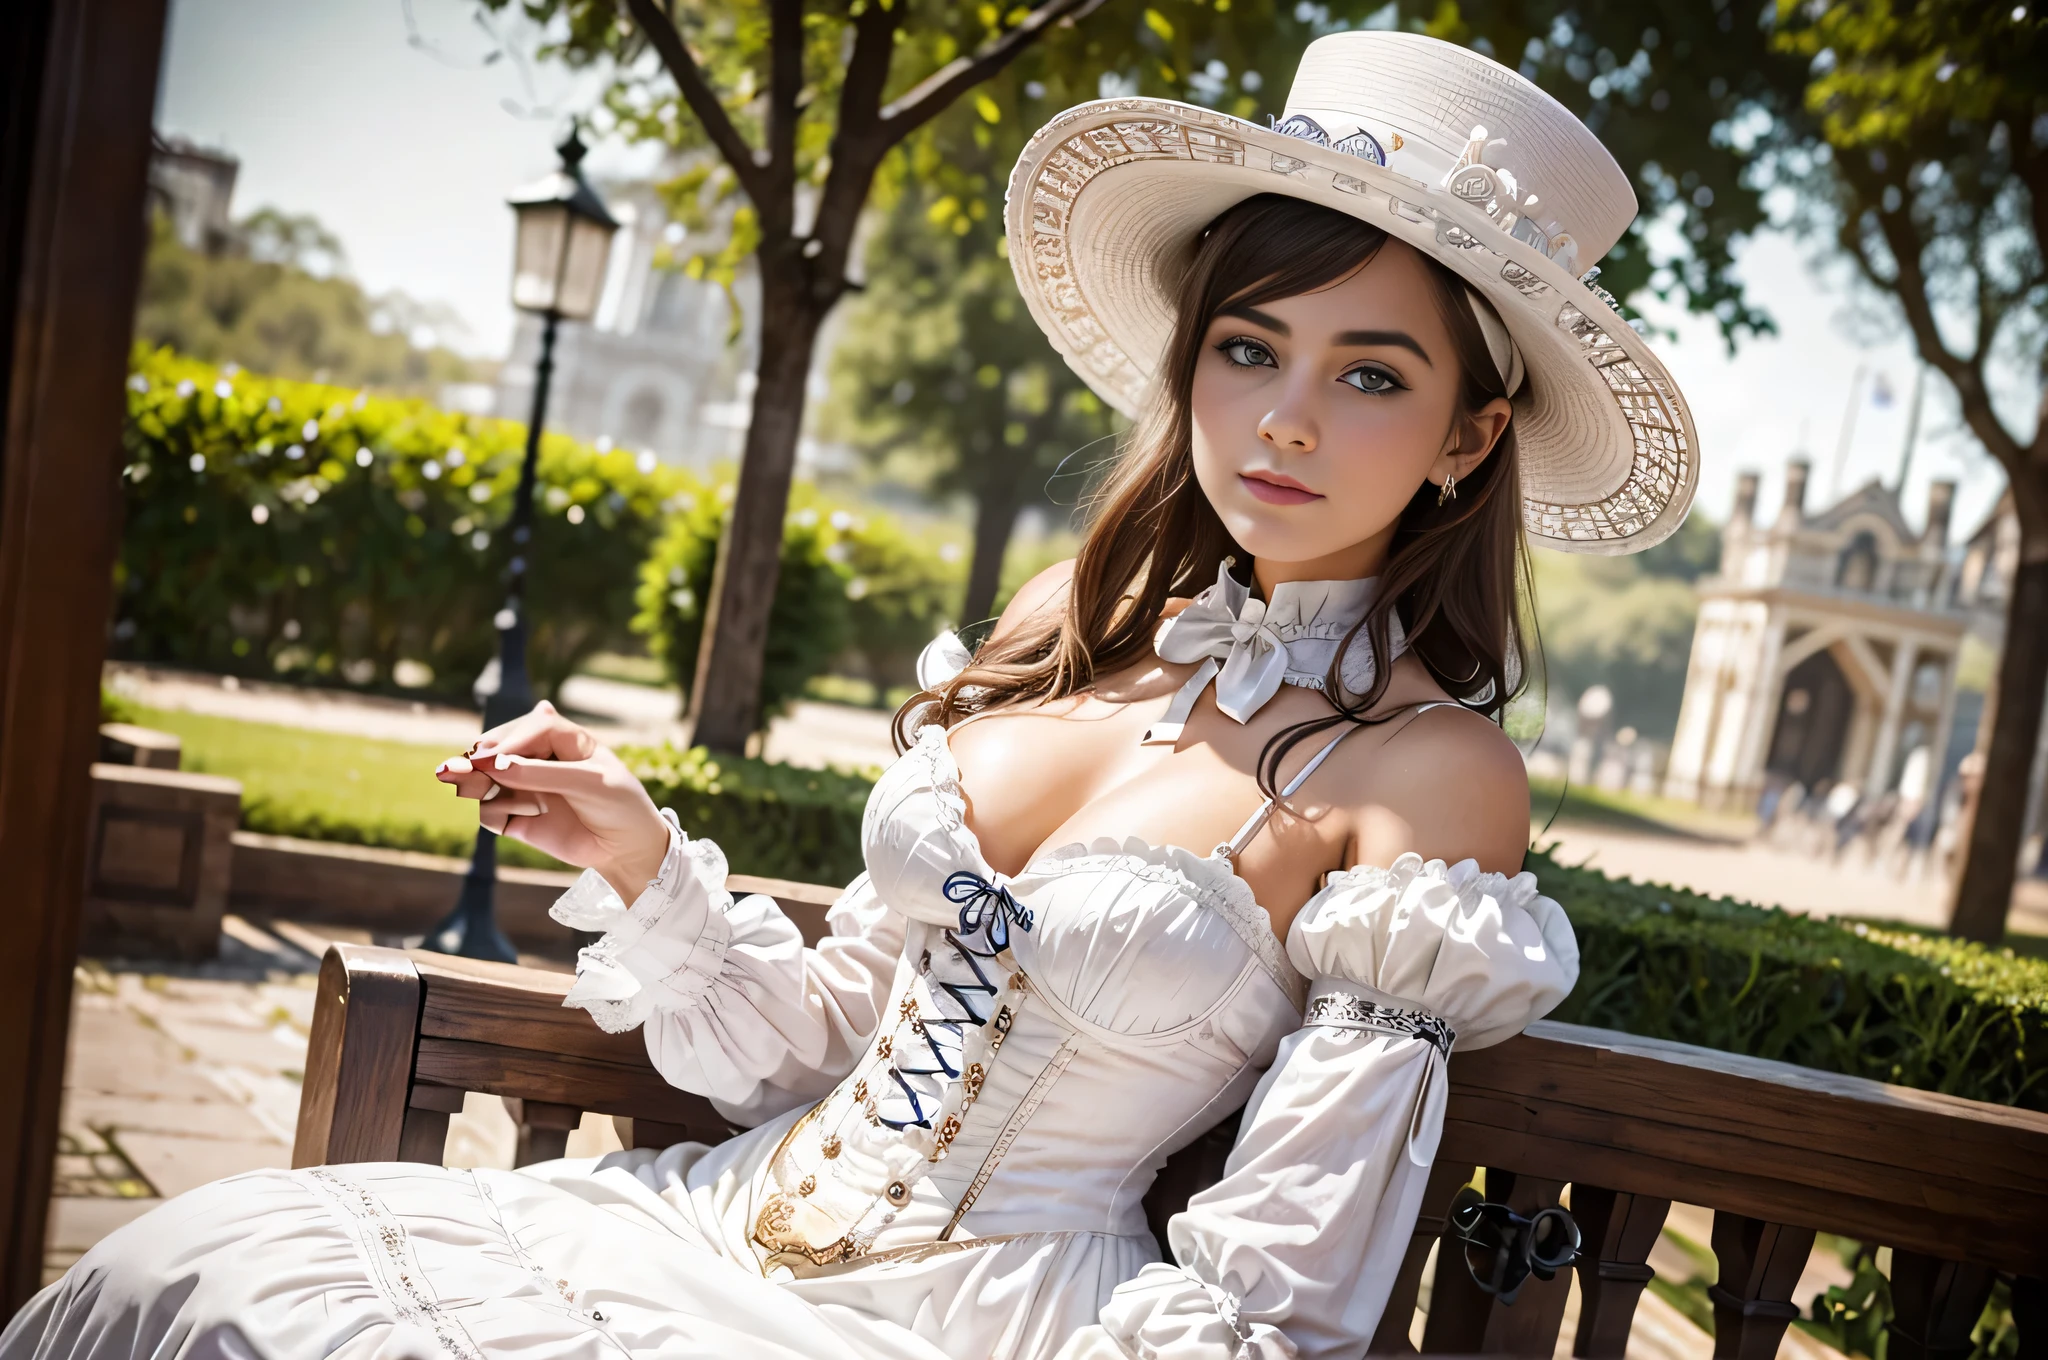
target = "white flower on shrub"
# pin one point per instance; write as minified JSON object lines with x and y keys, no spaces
{"x":685,"y":600}
{"x":805,"y":519}
{"x":273,"y":406}
{"x":138,"y":383}
{"x":455,"y":458}
{"x":480,"y":492}
{"x":186,"y":387}
{"x":839,"y":554}
{"x":480,"y":540}
{"x":295,"y":452}
{"x":603,"y":443}
{"x":575,"y":514}
{"x":363,"y":457}
{"x":310,"y":431}
{"x":223,"y":389}
{"x":557,"y":497}
{"x":260,"y":514}
{"x":291,"y":630}
{"x":646,"y":461}
{"x":197,"y":462}
{"x":431,"y":470}
{"x":841,"y":520}
{"x":949,"y":552}
{"x":857,"y":588}
{"x":462,"y":526}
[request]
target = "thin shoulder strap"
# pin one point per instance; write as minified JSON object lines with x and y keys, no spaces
{"x":1234,"y":847}
{"x":1253,"y":824}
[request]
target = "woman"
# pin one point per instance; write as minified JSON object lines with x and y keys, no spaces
{"x":1364,"y":364}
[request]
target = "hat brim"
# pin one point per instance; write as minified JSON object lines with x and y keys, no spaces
{"x":1103,"y":211}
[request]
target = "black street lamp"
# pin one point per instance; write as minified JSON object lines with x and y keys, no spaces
{"x":564,"y":242}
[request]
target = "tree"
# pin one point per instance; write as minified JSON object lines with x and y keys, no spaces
{"x":1911,"y":136}
{"x":279,"y":301}
{"x":801,"y":105}
{"x":1936,"y":113}
{"x":950,"y":375}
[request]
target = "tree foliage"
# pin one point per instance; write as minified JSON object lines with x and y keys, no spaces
{"x":280,"y":301}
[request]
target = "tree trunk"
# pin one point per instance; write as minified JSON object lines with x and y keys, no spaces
{"x":995,"y":514}
{"x":1983,"y":892}
{"x":725,"y":699}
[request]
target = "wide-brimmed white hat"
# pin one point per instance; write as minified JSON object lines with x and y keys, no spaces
{"x":1442,"y":148}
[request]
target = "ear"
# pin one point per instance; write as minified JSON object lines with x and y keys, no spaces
{"x":1471,"y":441}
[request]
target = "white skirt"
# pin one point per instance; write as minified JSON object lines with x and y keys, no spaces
{"x":639,"y":1254}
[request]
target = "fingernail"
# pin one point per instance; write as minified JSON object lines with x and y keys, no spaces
{"x":492,"y":792}
{"x":482,"y":752}
{"x":504,"y":762}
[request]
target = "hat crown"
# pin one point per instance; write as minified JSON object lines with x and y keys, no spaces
{"x":1420,"y":100}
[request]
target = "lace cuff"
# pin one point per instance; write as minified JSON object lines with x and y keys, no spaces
{"x":1168,"y":1312}
{"x":663,"y":951}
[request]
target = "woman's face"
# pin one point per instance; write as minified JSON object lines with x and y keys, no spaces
{"x":1316,"y":417}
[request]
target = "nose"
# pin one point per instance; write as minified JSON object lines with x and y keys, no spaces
{"x":1290,"y":426}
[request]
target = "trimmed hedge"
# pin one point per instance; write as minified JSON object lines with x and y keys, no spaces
{"x":1867,"y":999}
{"x":294,"y":530}
{"x":304,"y":532}
{"x":777,"y":821}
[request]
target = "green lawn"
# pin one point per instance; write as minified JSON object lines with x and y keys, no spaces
{"x":335,"y":787}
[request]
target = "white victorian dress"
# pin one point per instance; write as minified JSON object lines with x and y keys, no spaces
{"x":959,"y":1100}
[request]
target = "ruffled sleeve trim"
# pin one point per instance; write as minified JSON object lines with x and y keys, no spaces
{"x":664,"y":951}
{"x":1485,"y":951}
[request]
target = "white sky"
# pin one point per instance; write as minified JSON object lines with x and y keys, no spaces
{"x":408,"y":155}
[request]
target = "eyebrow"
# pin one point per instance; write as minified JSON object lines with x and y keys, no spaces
{"x":1258,"y":318}
{"x":1398,"y":339}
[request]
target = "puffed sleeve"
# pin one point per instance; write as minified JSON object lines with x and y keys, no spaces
{"x":1294,"y":1251}
{"x":733,"y":1006}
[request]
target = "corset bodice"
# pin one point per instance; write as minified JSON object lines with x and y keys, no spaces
{"x":1051,"y":1038}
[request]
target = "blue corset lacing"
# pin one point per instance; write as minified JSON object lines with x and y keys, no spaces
{"x":987,"y":910}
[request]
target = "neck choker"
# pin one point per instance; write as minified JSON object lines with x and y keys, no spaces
{"x":1251,"y":647}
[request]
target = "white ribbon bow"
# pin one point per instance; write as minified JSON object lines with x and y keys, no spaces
{"x":1226,"y":630}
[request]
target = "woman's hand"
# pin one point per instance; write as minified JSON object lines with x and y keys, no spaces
{"x":546,"y":781}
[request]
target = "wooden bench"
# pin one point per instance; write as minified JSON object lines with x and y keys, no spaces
{"x":1958,"y":1190}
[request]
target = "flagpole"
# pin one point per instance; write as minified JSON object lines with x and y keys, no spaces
{"x":1848,"y":434}
{"x":1912,"y":429}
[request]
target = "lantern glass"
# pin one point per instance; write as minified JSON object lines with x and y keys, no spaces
{"x":583,"y":271}
{"x":537,"y":255}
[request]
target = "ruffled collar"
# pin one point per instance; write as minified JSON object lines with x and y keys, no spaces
{"x":1251,"y":647}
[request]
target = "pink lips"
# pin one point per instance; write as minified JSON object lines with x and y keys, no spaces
{"x":1276,"y":488}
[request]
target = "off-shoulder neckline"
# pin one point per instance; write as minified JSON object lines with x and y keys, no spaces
{"x":1407,"y":865}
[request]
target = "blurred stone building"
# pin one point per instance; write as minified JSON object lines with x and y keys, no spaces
{"x":1825,"y":650}
{"x":655,"y":370}
{"x":192,"y":186}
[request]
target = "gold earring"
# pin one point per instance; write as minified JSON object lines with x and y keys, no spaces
{"x":1449,"y":492}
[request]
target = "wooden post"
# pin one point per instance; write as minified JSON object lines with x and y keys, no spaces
{"x":77,"y":89}
{"x":1617,"y":1232}
{"x":1446,"y":1179}
{"x":1935,"y":1306}
{"x":544,"y":1129}
{"x":425,"y":1135}
{"x":359,"y":1058}
{"x":1465,"y":1320}
{"x":1760,"y":1265}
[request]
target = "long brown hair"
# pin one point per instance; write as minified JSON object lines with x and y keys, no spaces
{"x":1453,"y":575}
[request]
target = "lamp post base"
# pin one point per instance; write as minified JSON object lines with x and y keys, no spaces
{"x":471,"y":930}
